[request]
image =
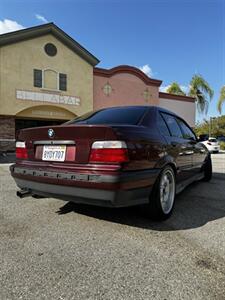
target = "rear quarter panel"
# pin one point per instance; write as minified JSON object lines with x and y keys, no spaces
{"x":146,"y":145}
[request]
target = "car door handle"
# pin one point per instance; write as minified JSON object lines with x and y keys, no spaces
{"x":174,"y":144}
{"x":192,"y":142}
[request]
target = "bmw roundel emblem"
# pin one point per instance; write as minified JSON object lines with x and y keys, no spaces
{"x":51,"y":133}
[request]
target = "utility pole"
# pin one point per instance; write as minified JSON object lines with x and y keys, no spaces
{"x":210,"y":124}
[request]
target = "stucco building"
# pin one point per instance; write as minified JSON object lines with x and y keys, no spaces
{"x":126,"y":85}
{"x":46,"y":77}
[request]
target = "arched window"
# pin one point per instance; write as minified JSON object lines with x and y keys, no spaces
{"x":50,"y":79}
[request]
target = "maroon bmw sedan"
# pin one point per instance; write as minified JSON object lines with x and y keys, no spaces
{"x":118,"y":156}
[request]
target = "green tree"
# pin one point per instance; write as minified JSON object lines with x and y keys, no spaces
{"x":201,"y":91}
{"x":217,"y":126}
{"x":221,"y":99}
{"x":175,"y":88}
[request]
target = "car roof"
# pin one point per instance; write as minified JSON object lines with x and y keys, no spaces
{"x":150,"y":107}
{"x":167,"y":111}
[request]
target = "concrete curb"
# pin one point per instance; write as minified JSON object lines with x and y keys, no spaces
{"x":219,"y":175}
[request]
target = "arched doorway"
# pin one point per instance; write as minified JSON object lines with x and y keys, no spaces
{"x":42,"y":115}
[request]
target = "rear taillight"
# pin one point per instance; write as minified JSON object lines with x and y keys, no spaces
{"x":21,"y":150}
{"x":109,"y":152}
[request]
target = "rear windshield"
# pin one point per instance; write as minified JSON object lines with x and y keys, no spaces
{"x":213,"y":140}
{"x":117,"y":115}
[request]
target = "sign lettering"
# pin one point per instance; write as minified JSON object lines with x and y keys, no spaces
{"x":46,"y":97}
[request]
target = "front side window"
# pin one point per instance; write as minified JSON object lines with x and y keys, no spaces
{"x":172,"y":125}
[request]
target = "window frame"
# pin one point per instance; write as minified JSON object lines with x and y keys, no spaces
{"x":159,"y":115}
{"x":60,"y":75}
{"x":174,"y":116}
{"x":43,"y":80}
{"x":185,"y":123}
{"x":85,"y":117}
{"x":35,"y":80}
{"x":46,"y":49}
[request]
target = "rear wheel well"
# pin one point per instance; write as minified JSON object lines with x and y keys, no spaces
{"x":156,"y":207}
{"x":173,"y":167}
{"x":166,"y":165}
{"x":167,"y":162}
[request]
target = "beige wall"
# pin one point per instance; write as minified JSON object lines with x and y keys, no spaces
{"x":184,"y":109}
{"x":17,"y":62}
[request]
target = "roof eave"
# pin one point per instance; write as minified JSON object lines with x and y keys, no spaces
{"x":169,"y":96}
{"x":37,"y":31}
{"x":127,"y":69}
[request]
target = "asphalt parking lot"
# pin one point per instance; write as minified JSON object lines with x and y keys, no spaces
{"x":52,"y":249}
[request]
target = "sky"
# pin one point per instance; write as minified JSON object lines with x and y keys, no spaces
{"x":169,"y":40}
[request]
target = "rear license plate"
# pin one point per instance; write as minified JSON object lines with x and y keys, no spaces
{"x":54,"y":153}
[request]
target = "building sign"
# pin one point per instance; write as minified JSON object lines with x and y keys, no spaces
{"x":47,"y":97}
{"x":46,"y":113}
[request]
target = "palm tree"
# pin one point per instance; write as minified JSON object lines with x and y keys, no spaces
{"x":201,"y":91}
{"x":174,"y":88}
{"x":221,"y":99}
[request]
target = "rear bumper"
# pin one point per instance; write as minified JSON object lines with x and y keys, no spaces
{"x":108,"y":198}
{"x":214,"y":149}
{"x":121,"y":189}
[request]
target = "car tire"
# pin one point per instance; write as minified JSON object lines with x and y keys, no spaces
{"x":161,"y":201}
{"x":207,"y":168}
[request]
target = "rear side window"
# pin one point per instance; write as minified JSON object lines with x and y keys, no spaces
{"x":172,"y":125}
{"x":117,"y":115}
{"x":162,"y":126}
{"x":187,"y":132}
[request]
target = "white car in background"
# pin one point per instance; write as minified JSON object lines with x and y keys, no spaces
{"x":212,"y":145}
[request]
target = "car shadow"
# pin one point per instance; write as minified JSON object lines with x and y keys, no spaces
{"x":7,"y":158}
{"x":192,"y":210}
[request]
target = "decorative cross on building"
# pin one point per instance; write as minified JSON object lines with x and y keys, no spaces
{"x":107,"y":89}
{"x":146,"y":94}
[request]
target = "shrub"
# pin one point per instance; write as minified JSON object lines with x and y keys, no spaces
{"x":222,"y":145}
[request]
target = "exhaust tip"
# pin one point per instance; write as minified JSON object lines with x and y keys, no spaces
{"x":23,"y":193}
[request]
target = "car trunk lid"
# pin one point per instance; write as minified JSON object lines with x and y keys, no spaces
{"x":68,"y":143}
